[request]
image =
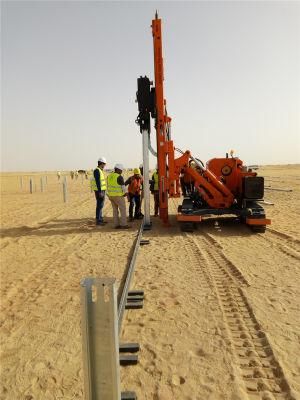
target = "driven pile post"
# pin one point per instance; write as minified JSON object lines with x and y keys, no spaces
{"x":145,"y":135}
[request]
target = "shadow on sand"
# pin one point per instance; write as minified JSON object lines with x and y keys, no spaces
{"x":65,"y":227}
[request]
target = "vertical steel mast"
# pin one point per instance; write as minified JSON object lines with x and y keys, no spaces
{"x":151,"y":103}
{"x":162,"y":120}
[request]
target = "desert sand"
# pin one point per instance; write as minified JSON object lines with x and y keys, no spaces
{"x":221,"y":316}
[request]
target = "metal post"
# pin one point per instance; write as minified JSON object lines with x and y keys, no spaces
{"x":145,"y":135}
{"x":65,"y":192}
{"x":21,"y":182}
{"x":31,"y":185}
{"x":100,"y":339}
{"x":42,"y":184}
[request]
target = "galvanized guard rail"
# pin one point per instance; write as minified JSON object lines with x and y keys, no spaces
{"x":129,"y":275}
{"x":100,"y":339}
{"x":102,"y":319}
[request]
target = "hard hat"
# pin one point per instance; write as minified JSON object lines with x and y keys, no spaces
{"x":141,"y":166}
{"x":137,"y":171}
{"x":119,"y":166}
{"x":102,"y":160}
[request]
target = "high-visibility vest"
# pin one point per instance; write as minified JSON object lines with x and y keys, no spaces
{"x":102,"y":181}
{"x":113,"y":188}
{"x":155,"y":177}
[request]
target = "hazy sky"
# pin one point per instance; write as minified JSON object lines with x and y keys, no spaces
{"x":69,"y":70}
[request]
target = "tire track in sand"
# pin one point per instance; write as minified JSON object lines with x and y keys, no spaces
{"x":287,"y":244}
{"x":226,"y":266}
{"x":259,"y":369}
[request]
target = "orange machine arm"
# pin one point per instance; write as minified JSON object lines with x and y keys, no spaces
{"x":211,"y":189}
{"x":214,"y":192}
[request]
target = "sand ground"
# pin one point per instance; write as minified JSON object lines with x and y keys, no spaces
{"x":221,"y":316}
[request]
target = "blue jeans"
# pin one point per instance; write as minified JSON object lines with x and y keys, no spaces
{"x":134,"y":199}
{"x":100,"y":199}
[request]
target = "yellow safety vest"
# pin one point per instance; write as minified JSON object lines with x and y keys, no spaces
{"x":102,"y":181}
{"x":113,"y":188}
{"x":155,"y":177}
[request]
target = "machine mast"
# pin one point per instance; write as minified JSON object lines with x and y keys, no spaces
{"x":162,"y":123}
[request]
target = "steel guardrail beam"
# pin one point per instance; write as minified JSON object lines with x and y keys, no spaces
{"x":130,"y":270}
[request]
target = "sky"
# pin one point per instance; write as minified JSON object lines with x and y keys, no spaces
{"x":69,"y":74}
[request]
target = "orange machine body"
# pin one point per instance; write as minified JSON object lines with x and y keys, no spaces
{"x":222,"y":187}
{"x":231,"y":172}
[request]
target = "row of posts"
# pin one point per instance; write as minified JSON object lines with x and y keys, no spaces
{"x":43,"y":182}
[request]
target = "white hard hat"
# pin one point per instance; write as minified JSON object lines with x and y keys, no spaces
{"x":141,"y":166}
{"x":119,"y":166}
{"x":102,"y":159}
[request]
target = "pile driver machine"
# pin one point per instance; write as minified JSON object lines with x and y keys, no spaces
{"x":223,"y":187}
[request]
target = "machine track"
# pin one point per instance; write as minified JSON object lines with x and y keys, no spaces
{"x":288,"y":246}
{"x":260,"y":371}
{"x":283,"y":235}
{"x":228,"y":268}
{"x":286,"y":240}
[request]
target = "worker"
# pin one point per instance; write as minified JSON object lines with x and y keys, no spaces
{"x":182,"y":183}
{"x":154,"y":187}
{"x":134,"y":194}
{"x":116,"y":192}
{"x":98,"y":185}
{"x":187,"y":183}
{"x":141,"y":169}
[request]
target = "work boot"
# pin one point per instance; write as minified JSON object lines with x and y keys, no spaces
{"x":101,"y":223}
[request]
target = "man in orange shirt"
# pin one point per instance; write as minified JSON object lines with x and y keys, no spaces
{"x":134,"y":194}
